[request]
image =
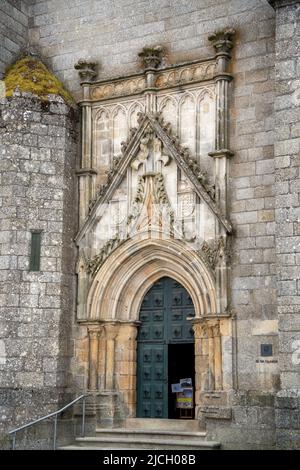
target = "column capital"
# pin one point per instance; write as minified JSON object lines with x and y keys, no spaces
{"x":222,"y":40}
{"x":94,"y":331}
{"x":111,"y":330}
{"x":206,"y":328}
{"x":87,"y":70}
{"x":128,"y":330}
{"x":151,"y":57}
{"x":282,"y":3}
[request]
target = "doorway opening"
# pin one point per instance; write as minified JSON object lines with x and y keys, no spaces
{"x":181,"y":365}
{"x":165,"y":351}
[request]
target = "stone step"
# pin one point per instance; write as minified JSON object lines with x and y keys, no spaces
{"x":148,"y":434}
{"x":132,"y":442}
{"x":188,"y":425}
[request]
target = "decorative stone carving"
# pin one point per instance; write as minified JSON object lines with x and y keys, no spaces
{"x":87,"y":70}
{"x":150,"y":143}
{"x":187,"y":204}
{"x":103,"y":188}
{"x":222,"y":40}
{"x":187,"y":74}
{"x":143,"y":151}
{"x":151,"y":57}
{"x":172,"y":148}
{"x":163,"y":79}
{"x":122,"y":87}
{"x":185,"y":154}
{"x":213,"y":252}
{"x":154,"y":195}
{"x":160,"y":152}
{"x":93,"y":264}
{"x":160,"y":202}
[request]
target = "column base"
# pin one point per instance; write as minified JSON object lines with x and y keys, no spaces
{"x":107,"y":407}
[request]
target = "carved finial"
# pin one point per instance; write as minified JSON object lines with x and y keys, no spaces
{"x":222,"y":40}
{"x":87,"y":70}
{"x":151,"y":56}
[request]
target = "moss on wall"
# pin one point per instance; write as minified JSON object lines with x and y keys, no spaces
{"x":30,"y":75}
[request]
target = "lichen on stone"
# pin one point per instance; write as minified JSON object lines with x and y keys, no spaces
{"x":30,"y":75}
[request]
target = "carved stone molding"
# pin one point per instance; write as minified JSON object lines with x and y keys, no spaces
{"x":93,"y":264}
{"x":164,"y":79}
{"x":123,"y":87}
{"x":186,"y":74}
{"x":87,"y":70}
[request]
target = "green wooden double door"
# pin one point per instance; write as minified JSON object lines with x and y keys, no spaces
{"x":163,"y":342}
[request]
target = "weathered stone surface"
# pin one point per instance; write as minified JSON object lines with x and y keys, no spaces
{"x":287,"y":207}
{"x":263,"y":196}
{"x":35,"y":318}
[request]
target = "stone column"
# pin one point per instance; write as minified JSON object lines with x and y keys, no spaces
{"x":86,"y":173}
{"x":111,"y":331}
{"x":126,"y":363}
{"x":222,"y":42}
{"x":151,"y":57}
{"x":211,"y":358}
{"x":201,"y":359}
{"x":208,"y":354}
{"x":222,"y":274}
{"x":218,"y":383}
{"x":87,"y":71}
{"x":93,"y":334}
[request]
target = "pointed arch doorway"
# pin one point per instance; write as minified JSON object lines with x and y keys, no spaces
{"x":165,"y":348}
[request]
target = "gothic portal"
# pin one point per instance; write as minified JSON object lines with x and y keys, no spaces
{"x":152,"y":187}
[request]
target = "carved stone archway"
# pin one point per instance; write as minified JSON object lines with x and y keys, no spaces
{"x":114,"y":301}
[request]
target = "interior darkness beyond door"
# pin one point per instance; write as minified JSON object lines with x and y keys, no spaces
{"x":181,"y":364}
{"x":165,"y":348}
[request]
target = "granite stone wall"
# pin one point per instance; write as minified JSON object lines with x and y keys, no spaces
{"x":38,"y":156}
{"x":14,"y":23}
{"x":287,"y":216}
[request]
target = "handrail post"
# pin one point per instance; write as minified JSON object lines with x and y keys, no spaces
{"x":83,"y":418}
{"x":55,"y":432}
{"x":14,"y":441}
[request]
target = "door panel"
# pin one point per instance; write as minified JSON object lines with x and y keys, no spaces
{"x":152,"y":381}
{"x":164,"y":321}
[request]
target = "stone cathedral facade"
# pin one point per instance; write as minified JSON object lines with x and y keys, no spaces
{"x":150,"y":216}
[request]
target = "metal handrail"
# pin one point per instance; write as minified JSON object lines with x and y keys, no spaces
{"x":50,"y":415}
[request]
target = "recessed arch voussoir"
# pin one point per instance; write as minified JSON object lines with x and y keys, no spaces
{"x":121,"y":283}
